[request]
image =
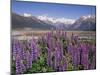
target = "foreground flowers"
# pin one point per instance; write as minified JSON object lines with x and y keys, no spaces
{"x":53,"y":52}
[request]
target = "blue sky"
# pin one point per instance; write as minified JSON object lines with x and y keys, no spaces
{"x":52,"y":9}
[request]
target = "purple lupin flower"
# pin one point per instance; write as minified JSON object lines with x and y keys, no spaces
{"x":49,"y":40}
{"x":85,"y":52}
{"x":16,"y":49}
{"x":79,"y":54}
{"x":20,"y":68}
{"x":28,"y":60}
{"x":23,"y":51}
{"x":53,"y":44}
{"x":57,"y":59}
{"x":59,"y":48}
{"x":70,"y":49}
{"x":19,"y":50}
{"x":34,"y":51}
{"x":75,"y":57}
{"x":49,"y":57}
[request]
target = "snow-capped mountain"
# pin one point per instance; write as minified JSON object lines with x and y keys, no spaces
{"x":43,"y":22}
{"x":87,"y":17}
{"x":55,"y":20}
{"x":85,"y":23}
{"x":58,"y":22}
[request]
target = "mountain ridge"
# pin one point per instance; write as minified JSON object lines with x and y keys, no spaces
{"x":85,"y":23}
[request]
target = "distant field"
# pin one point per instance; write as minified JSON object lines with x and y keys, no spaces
{"x":28,"y":34}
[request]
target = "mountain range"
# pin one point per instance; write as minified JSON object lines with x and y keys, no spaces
{"x":84,"y":23}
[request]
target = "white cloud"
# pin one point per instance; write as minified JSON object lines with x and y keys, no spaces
{"x":27,"y":15}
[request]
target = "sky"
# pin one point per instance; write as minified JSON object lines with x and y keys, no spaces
{"x":53,"y":9}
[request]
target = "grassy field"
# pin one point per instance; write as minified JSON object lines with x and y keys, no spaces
{"x":22,"y":34}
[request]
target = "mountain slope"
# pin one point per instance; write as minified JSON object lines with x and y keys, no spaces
{"x":85,"y":23}
{"x":19,"y":21}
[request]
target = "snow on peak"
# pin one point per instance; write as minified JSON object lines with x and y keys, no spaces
{"x":66,"y":21}
{"x":88,"y":16}
{"x":56,"y":20}
{"x":45,"y":18}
